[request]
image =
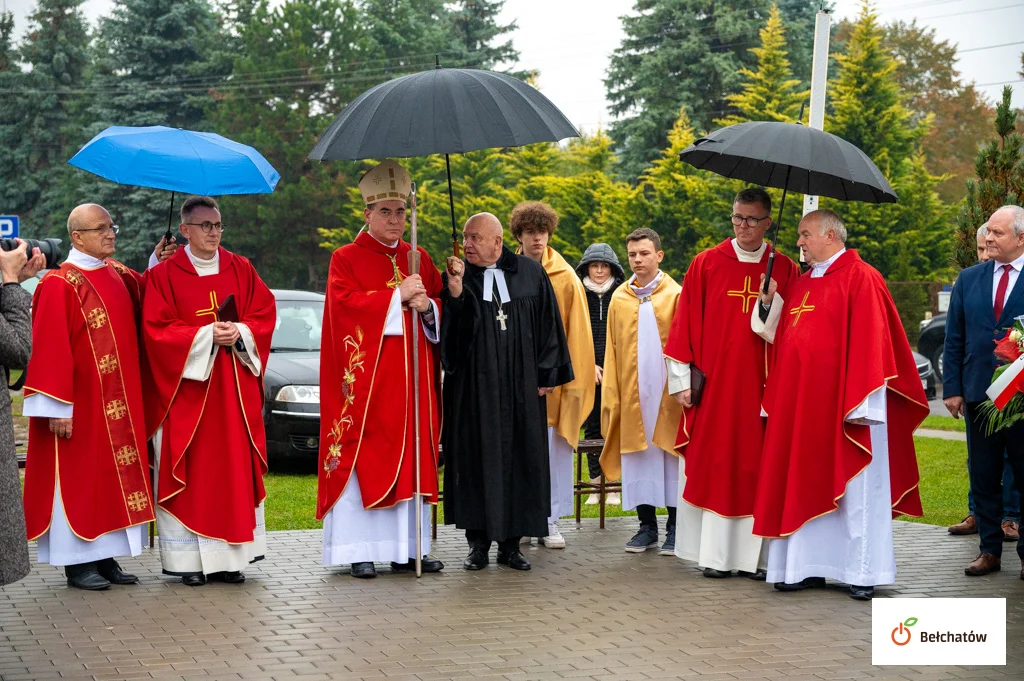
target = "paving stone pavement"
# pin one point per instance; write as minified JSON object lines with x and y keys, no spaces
{"x":591,"y":611}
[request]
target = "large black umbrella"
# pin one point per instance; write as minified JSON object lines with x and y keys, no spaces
{"x":790,"y":157}
{"x":442,"y":111}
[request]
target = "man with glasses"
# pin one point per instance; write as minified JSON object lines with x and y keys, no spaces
{"x":207,"y":322}
{"x":366,"y":468}
{"x":87,"y":493}
{"x":720,"y":439}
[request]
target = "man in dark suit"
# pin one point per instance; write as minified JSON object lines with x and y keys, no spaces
{"x":986,"y":300}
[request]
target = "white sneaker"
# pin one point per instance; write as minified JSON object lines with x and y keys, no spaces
{"x":614,"y":499}
{"x":594,"y":498}
{"x":554,"y":540}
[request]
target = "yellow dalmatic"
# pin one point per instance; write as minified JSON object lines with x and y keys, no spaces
{"x":570,"y":404}
{"x":621,"y":421}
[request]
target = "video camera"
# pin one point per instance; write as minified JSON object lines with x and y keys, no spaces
{"x":50,"y":248}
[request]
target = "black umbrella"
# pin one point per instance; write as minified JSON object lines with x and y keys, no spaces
{"x":790,"y":157}
{"x":442,"y":111}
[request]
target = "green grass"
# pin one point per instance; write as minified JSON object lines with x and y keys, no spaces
{"x":291,"y":498}
{"x":944,"y":423}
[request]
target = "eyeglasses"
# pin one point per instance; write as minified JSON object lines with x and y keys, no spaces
{"x":207,"y":226}
{"x":751,"y":221}
{"x":104,"y":230}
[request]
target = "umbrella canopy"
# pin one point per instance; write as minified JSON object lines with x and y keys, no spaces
{"x":442,"y":111}
{"x":177,"y":160}
{"x":791,"y":157}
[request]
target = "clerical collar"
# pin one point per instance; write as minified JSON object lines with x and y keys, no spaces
{"x":391,"y":245}
{"x":819,"y":269}
{"x":83,"y":261}
{"x":199,"y":263}
{"x":749,"y":256}
{"x":646,"y":291}
{"x":495,"y":277}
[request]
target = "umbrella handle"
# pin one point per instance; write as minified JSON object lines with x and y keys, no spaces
{"x":170,"y":216}
{"x":775,"y":235}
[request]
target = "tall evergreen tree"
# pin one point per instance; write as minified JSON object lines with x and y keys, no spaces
{"x":770,"y":93}
{"x":1000,"y":181}
{"x":18,"y":193}
{"x":686,"y":53}
{"x":402,"y":36}
{"x":476,"y":32}
{"x":6,"y":41}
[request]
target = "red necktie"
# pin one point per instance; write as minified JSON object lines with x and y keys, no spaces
{"x":1004,"y":281}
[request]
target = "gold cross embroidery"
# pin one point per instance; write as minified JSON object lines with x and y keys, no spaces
{"x":108,"y":364}
{"x":74,"y":278}
{"x":116,"y":410}
{"x":137,"y":501}
{"x":747,"y":294}
{"x":212,"y":310}
{"x":97,"y":318}
{"x":804,"y":307}
{"x":127,"y":455}
{"x":396,"y":280}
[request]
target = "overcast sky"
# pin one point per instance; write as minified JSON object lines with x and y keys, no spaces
{"x":570,"y":42}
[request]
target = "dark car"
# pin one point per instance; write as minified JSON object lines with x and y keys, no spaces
{"x":292,"y":379}
{"x":931,"y":340}
{"x":927,"y":375}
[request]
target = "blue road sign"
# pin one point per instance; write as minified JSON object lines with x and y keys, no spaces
{"x":8,"y":226}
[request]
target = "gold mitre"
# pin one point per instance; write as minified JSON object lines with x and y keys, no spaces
{"x":386,"y":182}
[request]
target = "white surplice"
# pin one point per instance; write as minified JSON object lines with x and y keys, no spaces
{"x":59,"y":545}
{"x":560,"y":455}
{"x":853,"y":544}
{"x":651,"y":476}
{"x":353,"y":534}
{"x":702,"y":536}
{"x":181,"y":550}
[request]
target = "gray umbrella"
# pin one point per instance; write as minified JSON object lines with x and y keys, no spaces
{"x":442,"y":111}
{"x":790,"y":157}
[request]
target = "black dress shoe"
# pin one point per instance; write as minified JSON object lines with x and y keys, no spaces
{"x":227,"y":577}
{"x":476,"y":560}
{"x":514,"y":560}
{"x":363,"y":570}
{"x":427,"y":564}
{"x":193,"y":580}
{"x":758,"y":576}
{"x":111,"y":571}
{"x":809,"y":583}
{"x":862,"y":593}
{"x":86,"y":577}
{"x":717,"y":574}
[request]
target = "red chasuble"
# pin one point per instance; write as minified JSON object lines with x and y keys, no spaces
{"x":85,"y":352}
{"x":721,"y":439}
{"x":839,"y":339}
{"x":366,"y":386}
{"x":214,"y":448}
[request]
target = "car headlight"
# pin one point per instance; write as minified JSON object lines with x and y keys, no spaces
{"x":299,"y":394}
{"x":924,"y":369}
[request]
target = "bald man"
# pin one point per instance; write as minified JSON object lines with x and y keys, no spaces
{"x":87,"y":490}
{"x":502,"y":342}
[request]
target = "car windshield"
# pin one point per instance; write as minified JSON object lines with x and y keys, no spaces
{"x":298,"y":326}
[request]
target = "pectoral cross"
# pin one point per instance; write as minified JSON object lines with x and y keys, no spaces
{"x":501,"y":318}
{"x":747,"y":294}
{"x":804,"y":307}
{"x":396,"y":280}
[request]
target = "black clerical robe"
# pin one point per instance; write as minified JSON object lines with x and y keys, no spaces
{"x":496,"y":471}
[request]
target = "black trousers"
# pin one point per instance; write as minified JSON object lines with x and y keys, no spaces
{"x":649,"y":518}
{"x":592,"y":431}
{"x":986,"y":455}
{"x":479,"y":539}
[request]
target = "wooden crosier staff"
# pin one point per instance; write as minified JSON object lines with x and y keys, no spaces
{"x":414,"y":268}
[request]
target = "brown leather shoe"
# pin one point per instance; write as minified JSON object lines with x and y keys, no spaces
{"x":1011,"y":530}
{"x":966,"y":526}
{"x":984,"y":564}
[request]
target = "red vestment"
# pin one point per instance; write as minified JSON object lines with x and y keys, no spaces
{"x":85,"y":352}
{"x":721,"y":438}
{"x":839,"y":339}
{"x":213,"y":448}
{"x":366,"y":381}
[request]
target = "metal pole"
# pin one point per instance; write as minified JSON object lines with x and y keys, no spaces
{"x":819,"y":79}
{"x":170,"y":216}
{"x":414,"y":268}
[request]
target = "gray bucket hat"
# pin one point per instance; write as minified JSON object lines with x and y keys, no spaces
{"x":600,"y":253}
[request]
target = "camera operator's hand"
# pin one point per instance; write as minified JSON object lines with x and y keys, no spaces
{"x":34,"y":265}
{"x":225,"y":333}
{"x":61,"y":427}
{"x":13,"y":262}
{"x":165,"y":250}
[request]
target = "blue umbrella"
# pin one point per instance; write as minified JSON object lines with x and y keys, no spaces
{"x":176,"y":160}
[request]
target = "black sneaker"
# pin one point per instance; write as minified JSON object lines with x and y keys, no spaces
{"x":645,"y":539}
{"x":669,"y":547}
